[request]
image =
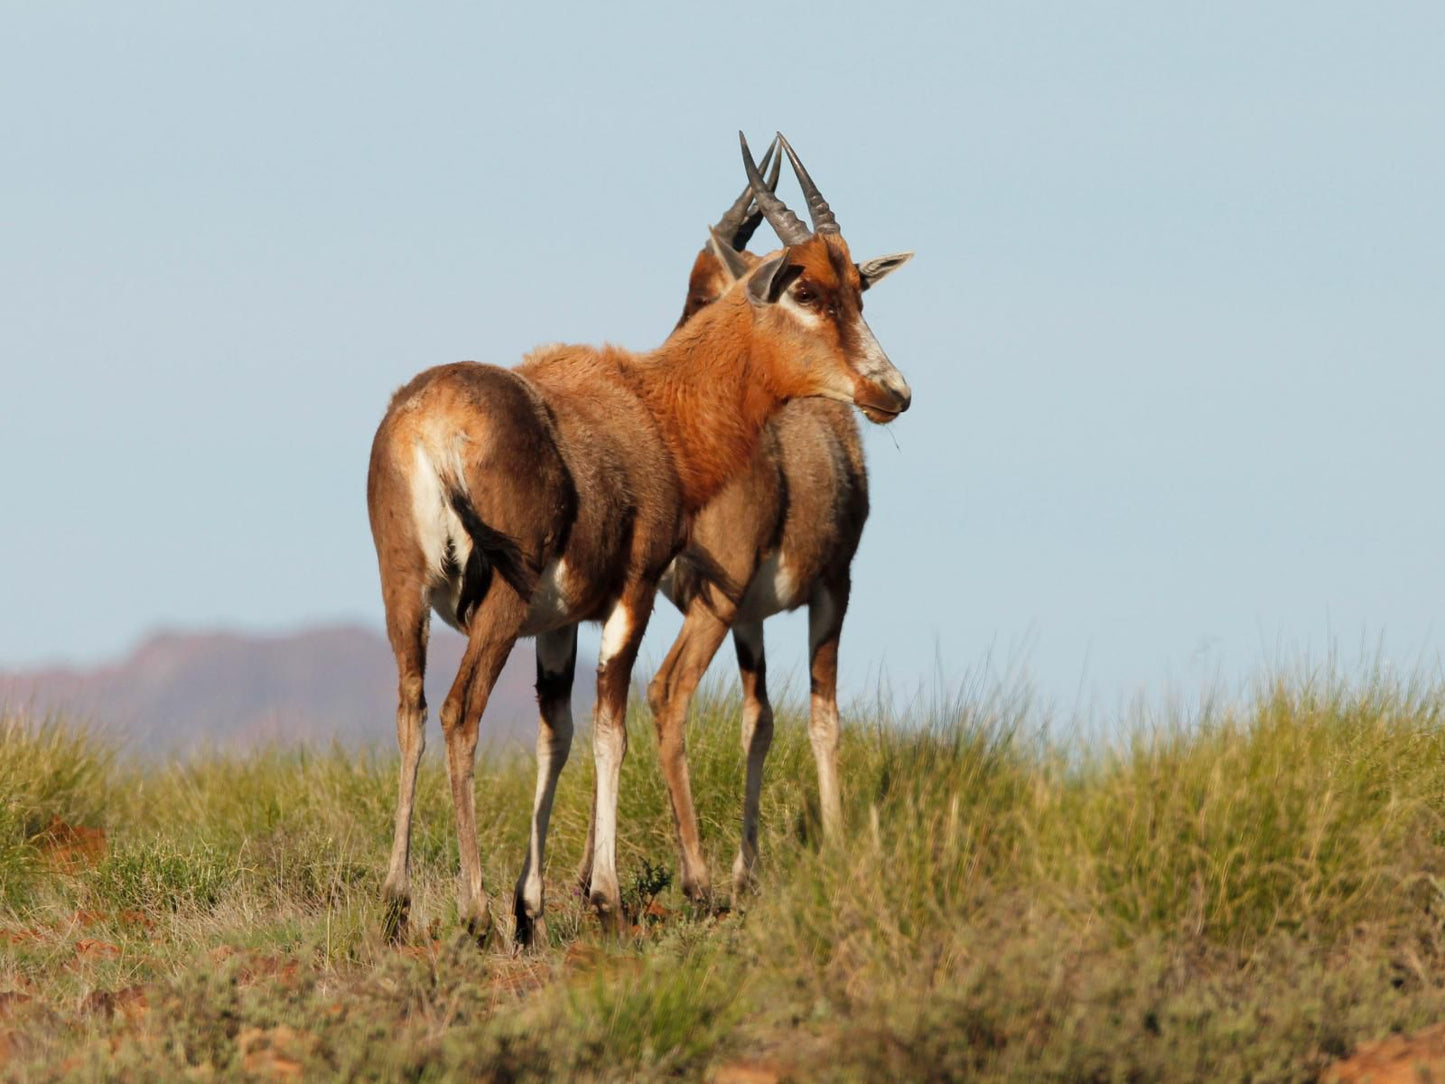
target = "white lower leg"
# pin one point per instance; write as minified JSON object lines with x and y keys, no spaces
{"x":556,"y":654}
{"x":823,"y":733}
{"x":609,"y":738}
{"x":553,"y":746}
{"x":610,"y":745}
{"x":825,"y":615}
{"x":757,"y":738}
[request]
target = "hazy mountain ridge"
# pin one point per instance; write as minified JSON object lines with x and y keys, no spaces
{"x":177,"y":691}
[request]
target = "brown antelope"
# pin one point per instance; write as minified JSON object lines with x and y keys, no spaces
{"x":520,"y":502}
{"x":785,"y":529}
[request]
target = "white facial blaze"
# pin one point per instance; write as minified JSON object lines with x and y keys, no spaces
{"x":834,"y":383}
{"x":805,"y":316}
{"x":873,"y":363}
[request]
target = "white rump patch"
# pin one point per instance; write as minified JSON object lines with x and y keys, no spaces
{"x":436,"y":527}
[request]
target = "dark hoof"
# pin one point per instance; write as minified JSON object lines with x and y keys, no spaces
{"x":528,"y":931}
{"x":479,"y":930}
{"x":698,"y":893}
{"x":610,"y":915}
{"x":531,"y":933}
{"x":395,"y":920}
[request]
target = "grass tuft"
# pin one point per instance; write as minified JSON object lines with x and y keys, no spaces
{"x":1244,"y":893}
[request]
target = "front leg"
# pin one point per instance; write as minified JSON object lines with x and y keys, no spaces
{"x":621,"y":637}
{"x":825,"y":625}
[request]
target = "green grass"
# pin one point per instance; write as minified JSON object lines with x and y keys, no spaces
{"x":1242,"y":895}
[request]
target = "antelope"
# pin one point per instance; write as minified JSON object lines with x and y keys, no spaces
{"x":520,"y":502}
{"x":785,"y":529}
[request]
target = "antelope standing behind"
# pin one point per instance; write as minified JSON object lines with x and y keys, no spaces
{"x":521,"y":502}
{"x":785,"y":529}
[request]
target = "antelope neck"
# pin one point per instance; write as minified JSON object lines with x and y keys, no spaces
{"x":711,"y":389}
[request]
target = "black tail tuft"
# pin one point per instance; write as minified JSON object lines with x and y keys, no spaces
{"x":693,"y":570}
{"x":491,"y":549}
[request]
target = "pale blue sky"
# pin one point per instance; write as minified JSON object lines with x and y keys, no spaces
{"x":1174,"y":329}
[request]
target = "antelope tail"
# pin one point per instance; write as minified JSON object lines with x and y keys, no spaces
{"x":693,"y":570}
{"x":491,"y":551}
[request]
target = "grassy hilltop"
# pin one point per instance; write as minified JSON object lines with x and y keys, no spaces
{"x":1245,"y":895}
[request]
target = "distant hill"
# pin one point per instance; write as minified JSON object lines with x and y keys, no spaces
{"x":180,"y":691}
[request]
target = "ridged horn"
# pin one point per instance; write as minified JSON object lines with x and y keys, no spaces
{"x":788,"y":226}
{"x":737,"y":226}
{"x":755,"y":218}
{"x":818,"y":209}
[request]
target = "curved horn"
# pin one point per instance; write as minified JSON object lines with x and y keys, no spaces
{"x":818,"y":209}
{"x":737,"y":225}
{"x":788,"y":226}
{"x":751,"y":223}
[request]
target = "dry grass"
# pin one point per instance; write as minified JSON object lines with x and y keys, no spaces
{"x":1244,"y":895}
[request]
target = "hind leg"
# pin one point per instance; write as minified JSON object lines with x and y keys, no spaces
{"x":407,"y":623}
{"x":670,"y":695}
{"x":491,"y":632}
{"x":556,"y":664}
{"x":757,"y":740}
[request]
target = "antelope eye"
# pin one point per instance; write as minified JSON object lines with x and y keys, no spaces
{"x":804,"y":295}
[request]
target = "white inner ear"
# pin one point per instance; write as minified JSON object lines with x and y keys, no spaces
{"x":873,"y":270}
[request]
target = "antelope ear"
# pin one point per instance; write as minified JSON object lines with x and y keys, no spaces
{"x":731,"y":259}
{"x":771,"y":277}
{"x":870,"y":271}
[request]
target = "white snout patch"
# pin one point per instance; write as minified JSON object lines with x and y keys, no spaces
{"x":873,"y":363}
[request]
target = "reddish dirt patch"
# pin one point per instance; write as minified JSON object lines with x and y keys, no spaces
{"x":29,"y":935}
{"x":518,"y":978}
{"x":130,"y":1002}
{"x":9,"y":1045}
{"x":70,"y":847}
{"x":11,"y":1000}
{"x":253,"y":967}
{"x":748,"y":1072}
{"x":276,"y":1053}
{"x":581,"y":956}
{"x":1399,"y":1059}
{"x":98,"y":949}
{"x":428,"y":950}
{"x":257,"y":968}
